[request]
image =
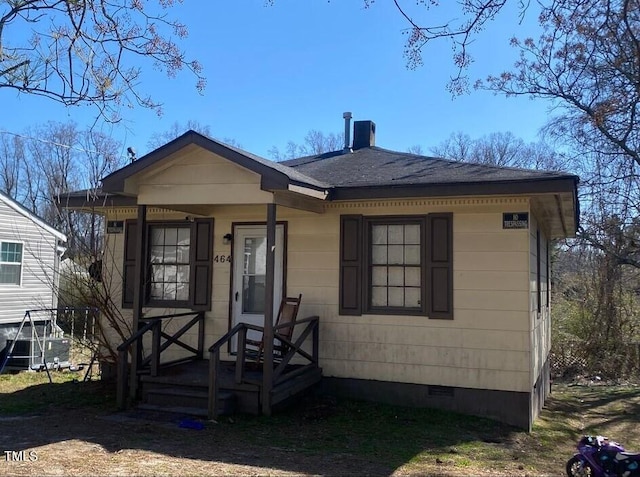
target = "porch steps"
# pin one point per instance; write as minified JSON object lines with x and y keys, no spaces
{"x":184,"y":390}
{"x":187,"y":399}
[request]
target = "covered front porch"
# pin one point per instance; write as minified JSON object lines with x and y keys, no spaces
{"x":172,"y":259}
{"x":211,"y":387}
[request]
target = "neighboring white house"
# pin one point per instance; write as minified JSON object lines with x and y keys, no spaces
{"x":30,"y":251}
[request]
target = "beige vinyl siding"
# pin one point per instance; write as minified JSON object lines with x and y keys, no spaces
{"x":487,"y":343}
{"x":485,"y":346}
{"x":200,"y":177}
{"x":40,"y":266}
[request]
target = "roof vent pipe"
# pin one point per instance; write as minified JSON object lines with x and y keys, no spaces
{"x":347,"y":131}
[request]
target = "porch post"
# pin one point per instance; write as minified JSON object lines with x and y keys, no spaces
{"x":267,"y":377}
{"x":138,"y":294}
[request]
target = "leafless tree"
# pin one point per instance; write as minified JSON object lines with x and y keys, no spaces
{"x":90,"y":52}
{"x":315,"y":142}
{"x":175,"y":130}
{"x":416,"y":149}
{"x":56,"y":158}
{"x":586,"y":63}
{"x":11,"y":162}
{"x":500,"y":149}
{"x":50,"y":166}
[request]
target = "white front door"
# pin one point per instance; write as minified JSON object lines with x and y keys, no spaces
{"x":249,"y":276}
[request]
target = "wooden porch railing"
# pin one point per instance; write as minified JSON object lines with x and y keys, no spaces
{"x":280,"y":373}
{"x":129,"y":371}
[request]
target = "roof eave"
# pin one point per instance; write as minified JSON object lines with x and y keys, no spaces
{"x":391,"y":191}
{"x":22,"y":210}
{"x":553,"y":187}
{"x":95,"y":200}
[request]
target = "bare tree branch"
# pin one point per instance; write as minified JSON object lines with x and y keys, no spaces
{"x":89,"y":52}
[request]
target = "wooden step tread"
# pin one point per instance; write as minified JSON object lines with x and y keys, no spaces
{"x":189,"y":411}
{"x":188,"y":393}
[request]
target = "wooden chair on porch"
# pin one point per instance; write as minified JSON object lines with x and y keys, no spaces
{"x":284,"y":325}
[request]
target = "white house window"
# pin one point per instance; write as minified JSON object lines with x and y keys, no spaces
{"x":396,"y":265}
{"x":169,"y":254}
{"x":10,"y":263}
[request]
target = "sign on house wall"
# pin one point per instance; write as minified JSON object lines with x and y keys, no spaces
{"x":515,"y":220}
{"x":115,"y":226}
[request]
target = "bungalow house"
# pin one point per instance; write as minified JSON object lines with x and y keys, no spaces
{"x":428,"y":279}
{"x":30,"y":251}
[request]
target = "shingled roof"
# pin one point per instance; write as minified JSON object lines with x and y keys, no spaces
{"x":376,"y":172}
{"x":375,"y":166}
{"x":366,"y":172}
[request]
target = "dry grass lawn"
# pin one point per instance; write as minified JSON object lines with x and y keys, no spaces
{"x":70,"y":428}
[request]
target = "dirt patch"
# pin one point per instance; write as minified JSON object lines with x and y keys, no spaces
{"x":71,"y":428}
{"x":77,"y":442}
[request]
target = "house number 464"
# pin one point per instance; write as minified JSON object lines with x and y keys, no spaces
{"x":222,"y":258}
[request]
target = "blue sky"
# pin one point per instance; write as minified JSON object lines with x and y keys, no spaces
{"x":276,"y":72}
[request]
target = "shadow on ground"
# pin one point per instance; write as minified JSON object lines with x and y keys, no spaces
{"x":317,"y":436}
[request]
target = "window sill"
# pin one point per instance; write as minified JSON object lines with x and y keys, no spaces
{"x":394,"y":311}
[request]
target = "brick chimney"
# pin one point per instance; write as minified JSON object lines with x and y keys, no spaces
{"x":364,"y":134}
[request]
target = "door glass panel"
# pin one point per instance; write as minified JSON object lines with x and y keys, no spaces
{"x":253,"y":276}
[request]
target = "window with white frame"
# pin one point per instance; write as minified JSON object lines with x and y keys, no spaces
{"x":169,"y":255}
{"x":10,"y":263}
{"x":396,"y":264}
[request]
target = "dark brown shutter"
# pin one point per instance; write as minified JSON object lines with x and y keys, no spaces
{"x":440,"y":265}
{"x":201,"y":264}
{"x":351,"y":264}
{"x":129,"y":266}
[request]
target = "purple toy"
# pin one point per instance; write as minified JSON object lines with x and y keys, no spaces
{"x":599,"y":457}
